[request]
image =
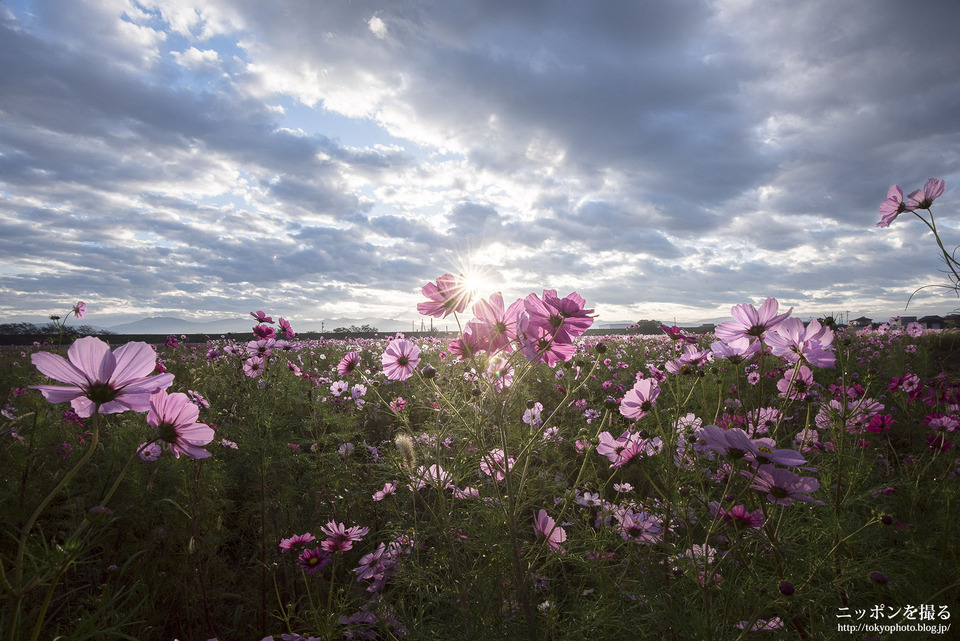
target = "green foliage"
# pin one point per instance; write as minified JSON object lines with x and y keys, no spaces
{"x":182,"y":548}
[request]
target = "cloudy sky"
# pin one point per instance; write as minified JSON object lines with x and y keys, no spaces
{"x":325,"y":159}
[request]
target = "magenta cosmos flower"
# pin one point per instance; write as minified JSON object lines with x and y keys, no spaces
{"x":749,"y":321}
{"x":98,"y":378}
{"x":261,"y":317}
{"x":400,"y":359}
{"x":340,"y":538}
{"x":563,"y":318}
{"x":295,"y":541}
{"x":448,"y":295}
{"x":175,"y":418}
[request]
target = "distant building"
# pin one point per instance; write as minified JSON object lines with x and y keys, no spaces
{"x":932,"y":322}
{"x":863,"y":321}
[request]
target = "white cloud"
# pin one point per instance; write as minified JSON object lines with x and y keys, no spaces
{"x":737,"y":151}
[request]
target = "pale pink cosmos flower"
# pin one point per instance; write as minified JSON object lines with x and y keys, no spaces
{"x":149,"y":451}
{"x":796,"y":383}
{"x":449,"y":295}
{"x":692,"y":358}
{"x":639,"y":527}
{"x":495,"y":327}
{"x":80,"y":309}
{"x":749,"y":321}
{"x":496,"y":464}
{"x":388,"y":489}
{"x":175,"y":418}
{"x":640,"y":399}
{"x":111,"y":382}
{"x":923,"y":198}
{"x":499,"y":372}
{"x":812,"y":343}
{"x":546,"y":527}
{"x":892,"y":207}
{"x":348,"y":364}
{"x":782,"y":487}
{"x":736,"y":351}
{"x":254,"y":366}
{"x":400,"y":359}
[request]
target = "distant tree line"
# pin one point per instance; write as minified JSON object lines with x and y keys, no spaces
{"x":355,"y":329}
{"x":49,"y":329}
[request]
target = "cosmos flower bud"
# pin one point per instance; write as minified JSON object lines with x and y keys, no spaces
{"x":878,"y":577}
{"x":786,"y":588}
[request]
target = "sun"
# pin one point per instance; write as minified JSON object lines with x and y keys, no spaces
{"x":480,"y":280}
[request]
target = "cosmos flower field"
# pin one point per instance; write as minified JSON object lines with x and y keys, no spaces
{"x":525,"y":478}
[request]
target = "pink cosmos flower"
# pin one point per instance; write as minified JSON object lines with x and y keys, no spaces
{"x":261,"y":317}
{"x":468,"y":343}
{"x":738,"y":516}
{"x":796,"y":383}
{"x":782,"y":487}
{"x":496,"y":463}
{"x":341,"y":538}
{"x":109,"y":382}
{"x":494,"y":326}
{"x":80,"y":309}
{"x":892,"y":207}
{"x":639,"y":527}
{"x":149,"y":451}
{"x":677,"y":334}
{"x":264,"y":331}
{"x":175,"y":418}
{"x":812,"y":343}
{"x":692,"y":358}
{"x":546,"y":527}
{"x":562,"y":318}
{"x":923,"y":198}
{"x":348,"y":363}
{"x":388,"y":489}
{"x":400,"y":359}
{"x":620,"y":450}
{"x":287,"y":329}
{"x":735,"y":351}
{"x":499,"y":372}
{"x":449,"y":295}
{"x":540,"y":346}
{"x":253,"y":366}
{"x":295,"y":541}
{"x":749,"y":321}
{"x":641,"y":399}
